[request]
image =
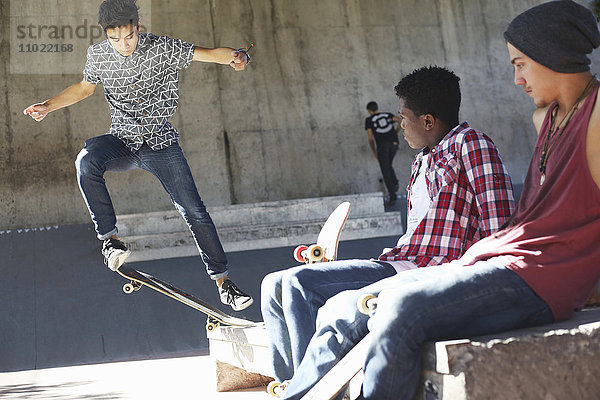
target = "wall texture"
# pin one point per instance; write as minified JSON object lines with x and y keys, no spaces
{"x":291,"y":126}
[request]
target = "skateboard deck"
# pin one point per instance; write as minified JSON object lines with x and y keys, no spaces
{"x":325,"y":249}
{"x":341,"y":374}
{"x":215,"y":316}
{"x":350,"y":365}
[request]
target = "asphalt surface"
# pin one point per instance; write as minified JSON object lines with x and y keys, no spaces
{"x":62,"y":307}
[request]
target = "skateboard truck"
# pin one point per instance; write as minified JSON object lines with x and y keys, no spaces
{"x":132,"y":286}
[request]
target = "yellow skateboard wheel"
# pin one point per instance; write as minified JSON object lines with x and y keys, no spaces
{"x":315,"y":254}
{"x":367,"y":304}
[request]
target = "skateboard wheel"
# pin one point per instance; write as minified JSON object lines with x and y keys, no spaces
{"x":315,"y":253}
{"x":128,"y":288}
{"x":211,"y":324}
{"x":367,"y":304}
{"x":271,"y":388}
{"x":298,"y":253}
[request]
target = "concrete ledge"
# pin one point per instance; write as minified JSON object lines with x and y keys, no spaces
{"x":557,"y":361}
{"x":552,"y":362}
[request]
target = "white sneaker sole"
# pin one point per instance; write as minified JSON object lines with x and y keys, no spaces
{"x":115,"y":262}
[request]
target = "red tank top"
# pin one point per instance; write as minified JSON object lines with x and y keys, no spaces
{"x":553,"y":239}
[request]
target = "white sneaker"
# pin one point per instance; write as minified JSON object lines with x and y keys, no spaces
{"x":115,"y":253}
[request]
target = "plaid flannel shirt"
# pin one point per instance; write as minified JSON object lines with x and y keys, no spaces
{"x":471,"y":194}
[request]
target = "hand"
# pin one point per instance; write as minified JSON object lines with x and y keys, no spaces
{"x":240,"y":60}
{"x":37,"y":111}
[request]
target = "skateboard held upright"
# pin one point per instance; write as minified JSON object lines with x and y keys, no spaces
{"x":339,"y":377}
{"x":327,"y":242}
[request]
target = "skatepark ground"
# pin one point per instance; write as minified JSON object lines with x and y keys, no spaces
{"x":69,"y":332}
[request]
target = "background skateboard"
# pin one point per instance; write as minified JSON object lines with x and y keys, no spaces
{"x":215,"y":316}
{"x":327,"y":242}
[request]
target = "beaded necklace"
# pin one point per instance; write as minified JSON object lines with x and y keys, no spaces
{"x":553,"y":129}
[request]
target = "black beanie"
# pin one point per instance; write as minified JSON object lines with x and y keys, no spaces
{"x":558,"y":34}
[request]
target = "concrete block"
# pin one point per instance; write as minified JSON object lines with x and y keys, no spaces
{"x":241,"y":357}
{"x":241,"y":347}
{"x":557,"y":361}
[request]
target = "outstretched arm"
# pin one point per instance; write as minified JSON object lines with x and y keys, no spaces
{"x":70,"y":95}
{"x":222,"y":55}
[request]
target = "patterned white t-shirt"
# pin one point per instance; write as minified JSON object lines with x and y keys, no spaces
{"x":141,"y":89}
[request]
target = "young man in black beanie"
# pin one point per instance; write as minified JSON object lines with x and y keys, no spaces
{"x":139,"y":73}
{"x":539,"y":269}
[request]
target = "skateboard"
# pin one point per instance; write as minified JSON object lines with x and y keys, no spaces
{"x":137,"y":279}
{"x":327,"y":242}
{"x":348,"y":367}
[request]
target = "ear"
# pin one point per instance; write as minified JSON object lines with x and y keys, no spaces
{"x":428,"y":121}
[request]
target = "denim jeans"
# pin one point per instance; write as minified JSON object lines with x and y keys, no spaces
{"x":414,"y":307}
{"x":108,"y":153}
{"x":291,"y":298}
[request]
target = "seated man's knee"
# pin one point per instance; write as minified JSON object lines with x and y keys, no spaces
{"x":342,"y":305}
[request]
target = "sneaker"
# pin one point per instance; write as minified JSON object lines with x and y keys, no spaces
{"x":115,"y":253}
{"x":231,"y":295}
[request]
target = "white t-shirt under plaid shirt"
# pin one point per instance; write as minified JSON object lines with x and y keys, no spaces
{"x":141,"y":89}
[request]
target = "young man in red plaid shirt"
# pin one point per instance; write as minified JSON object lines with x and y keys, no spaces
{"x":459,"y":192}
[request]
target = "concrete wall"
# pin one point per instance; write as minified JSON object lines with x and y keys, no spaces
{"x":291,"y":126}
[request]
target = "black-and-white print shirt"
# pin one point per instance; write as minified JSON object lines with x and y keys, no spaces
{"x":142,"y":89}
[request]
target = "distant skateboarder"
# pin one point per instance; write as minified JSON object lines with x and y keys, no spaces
{"x":383,"y":139}
{"x":139,"y":74}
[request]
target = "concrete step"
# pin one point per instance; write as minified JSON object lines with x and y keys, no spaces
{"x":239,"y":215}
{"x":160,"y":235}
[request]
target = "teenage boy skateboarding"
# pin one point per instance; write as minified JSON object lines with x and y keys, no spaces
{"x":139,"y":74}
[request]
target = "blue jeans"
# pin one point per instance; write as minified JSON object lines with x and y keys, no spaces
{"x":291,"y":298}
{"x":414,"y":307}
{"x":108,"y":153}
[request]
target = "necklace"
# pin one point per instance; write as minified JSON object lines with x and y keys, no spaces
{"x":554,"y":129}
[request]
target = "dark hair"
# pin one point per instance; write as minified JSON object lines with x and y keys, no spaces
{"x":115,"y":13}
{"x":432,"y":90}
{"x":372,"y":106}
